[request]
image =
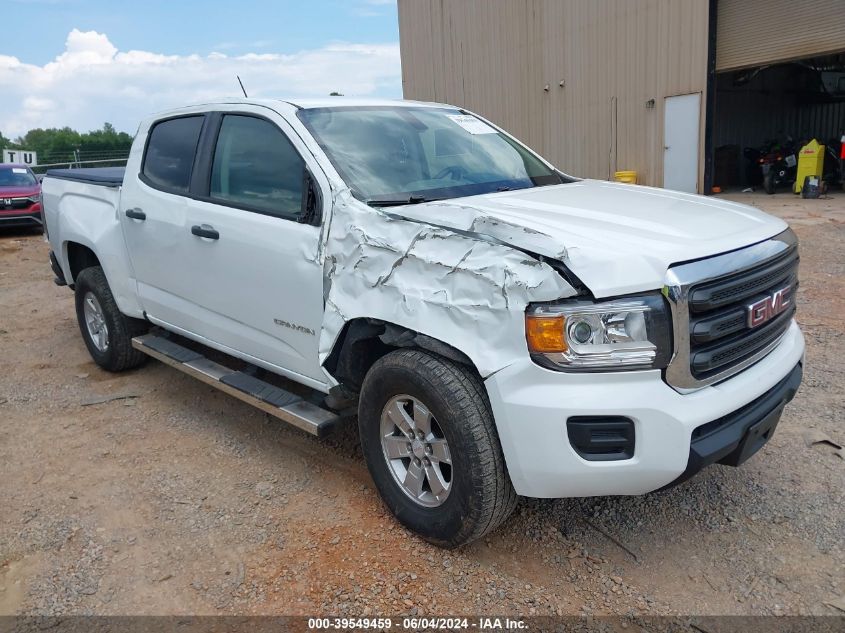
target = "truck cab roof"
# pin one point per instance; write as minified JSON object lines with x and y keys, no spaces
{"x":303,"y":104}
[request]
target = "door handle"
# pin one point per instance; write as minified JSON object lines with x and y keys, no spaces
{"x":136,"y":214}
{"x":205,"y":231}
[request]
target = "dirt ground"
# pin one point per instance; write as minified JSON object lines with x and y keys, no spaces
{"x":177,"y":499}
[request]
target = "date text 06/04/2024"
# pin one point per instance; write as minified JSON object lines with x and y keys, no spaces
{"x":414,"y":624}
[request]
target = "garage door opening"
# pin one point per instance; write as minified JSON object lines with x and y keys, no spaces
{"x":767,"y":113}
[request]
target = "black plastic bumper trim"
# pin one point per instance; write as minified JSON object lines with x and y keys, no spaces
{"x":26,"y":218}
{"x":732,"y":439}
{"x":601,"y":438}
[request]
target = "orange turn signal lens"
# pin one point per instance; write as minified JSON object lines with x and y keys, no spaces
{"x":544,"y":333}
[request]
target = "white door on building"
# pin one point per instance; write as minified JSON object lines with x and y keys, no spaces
{"x":680,"y":137}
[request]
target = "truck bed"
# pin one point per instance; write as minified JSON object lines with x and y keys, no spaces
{"x":104,"y":176}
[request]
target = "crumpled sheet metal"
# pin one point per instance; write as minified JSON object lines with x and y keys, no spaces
{"x":473,"y":219}
{"x":468,"y":292}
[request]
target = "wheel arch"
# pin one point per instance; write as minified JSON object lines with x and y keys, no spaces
{"x":362,"y":341}
{"x":78,"y":256}
{"x":78,"y":253}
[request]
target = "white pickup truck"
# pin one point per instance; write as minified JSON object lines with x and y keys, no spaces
{"x":498,"y":327}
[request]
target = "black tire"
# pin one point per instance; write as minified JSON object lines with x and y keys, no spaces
{"x":769,"y":182}
{"x":481,"y":496}
{"x":120,"y":354}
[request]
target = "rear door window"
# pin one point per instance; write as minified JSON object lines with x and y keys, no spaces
{"x":171,"y":148}
{"x":256,"y":168}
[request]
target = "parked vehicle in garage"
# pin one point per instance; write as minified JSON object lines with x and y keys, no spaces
{"x":20,"y":197}
{"x":500,"y":328}
{"x":778,"y":164}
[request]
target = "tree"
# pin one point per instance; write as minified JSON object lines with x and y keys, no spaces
{"x":50,"y":142}
{"x":104,"y":140}
{"x":4,"y":142}
{"x":59,"y":144}
{"x":335,"y":94}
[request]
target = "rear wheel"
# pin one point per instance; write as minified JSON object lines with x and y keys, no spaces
{"x":431,"y":445}
{"x":106,"y":331}
{"x":769,"y":182}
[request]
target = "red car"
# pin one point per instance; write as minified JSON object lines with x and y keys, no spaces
{"x":20,"y":197}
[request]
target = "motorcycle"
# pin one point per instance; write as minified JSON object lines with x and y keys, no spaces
{"x":779,"y":165}
{"x":772,"y":164}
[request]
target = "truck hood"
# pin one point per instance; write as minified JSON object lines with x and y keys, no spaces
{"x":616,"y":238}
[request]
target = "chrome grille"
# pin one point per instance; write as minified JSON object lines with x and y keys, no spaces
{"x":710,"y":299}
{"x":14,"y":203}
{"x":744,"y":285}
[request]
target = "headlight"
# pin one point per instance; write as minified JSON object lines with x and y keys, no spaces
{"x":629,"y":333}
{"x":36,"y":199}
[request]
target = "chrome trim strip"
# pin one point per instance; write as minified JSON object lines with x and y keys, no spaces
{"x":676,"y":288}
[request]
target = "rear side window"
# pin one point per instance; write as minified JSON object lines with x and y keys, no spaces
{"x":170,"y":152}
{"x":256,"y":167}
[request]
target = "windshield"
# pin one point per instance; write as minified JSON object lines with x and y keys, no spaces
{"x":405,"y":155}
{"x":16,"y":177}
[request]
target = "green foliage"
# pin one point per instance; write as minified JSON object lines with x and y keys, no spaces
{"x":50,"y":141}
{"x":60,"y":143}
{"x":105,"y":139}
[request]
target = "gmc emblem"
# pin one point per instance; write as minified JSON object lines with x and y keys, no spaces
{"x":766,"y":309}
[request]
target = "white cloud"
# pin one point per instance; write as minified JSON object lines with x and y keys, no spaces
{"x":92,"y":82}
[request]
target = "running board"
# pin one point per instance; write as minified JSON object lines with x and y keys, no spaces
{"x":274,"y":400}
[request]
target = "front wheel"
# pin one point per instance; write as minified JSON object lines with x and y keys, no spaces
{"x":106,"y":331}
{"x":431,"y":446}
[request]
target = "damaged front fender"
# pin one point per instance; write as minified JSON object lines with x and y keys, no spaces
{"x":466,"y":291}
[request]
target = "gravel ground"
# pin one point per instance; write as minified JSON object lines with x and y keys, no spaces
{"x":177,"y":499}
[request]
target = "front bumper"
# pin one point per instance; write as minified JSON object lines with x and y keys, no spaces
{"x":531,"y":405}
{"x":22,"y":217}
{"x":734,"y":438}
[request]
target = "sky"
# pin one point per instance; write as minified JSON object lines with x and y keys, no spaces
{"x":80,"y":63}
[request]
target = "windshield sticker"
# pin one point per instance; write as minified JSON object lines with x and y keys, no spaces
{"x":471,"y":124}
{"x":18,"y":170}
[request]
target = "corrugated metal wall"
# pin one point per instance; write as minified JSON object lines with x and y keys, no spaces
{"x":739,"y":123}
{"x":768,"y":107}
{"x":613,"y":56}
{"x":757,"y":32}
